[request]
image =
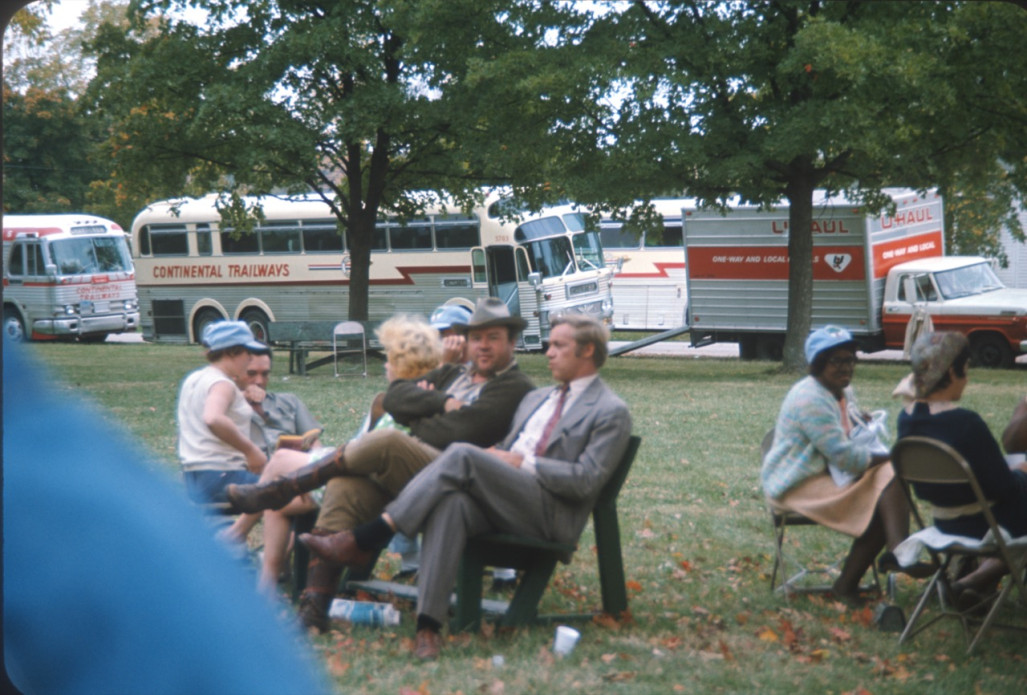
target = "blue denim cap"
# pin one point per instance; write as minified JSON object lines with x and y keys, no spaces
{"x":225,"y":334}
{"x":827,"y":338}
{"x":450,"y":315}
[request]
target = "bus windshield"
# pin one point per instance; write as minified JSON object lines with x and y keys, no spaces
{"x":551,"y":257}
{"x":85,"y":255}
{"x":588,"y":250}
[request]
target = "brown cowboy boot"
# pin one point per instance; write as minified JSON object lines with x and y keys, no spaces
{"x":275,"y":494}
{"x":322,"y":583}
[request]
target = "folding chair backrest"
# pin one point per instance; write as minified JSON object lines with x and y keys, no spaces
{"x":926,"y":460}
{"x":352,"y":330}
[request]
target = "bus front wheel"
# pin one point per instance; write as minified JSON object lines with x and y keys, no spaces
{"x":14,"y":327}
{"x":257,"y":321}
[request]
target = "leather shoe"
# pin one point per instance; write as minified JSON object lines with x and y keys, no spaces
{"x":340,"y":548}
{"x":250,"y":499}
{"x":427,"y":644}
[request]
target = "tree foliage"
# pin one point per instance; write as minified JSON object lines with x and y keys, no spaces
{"x":771,"y":100}
{"x":369,"y":104}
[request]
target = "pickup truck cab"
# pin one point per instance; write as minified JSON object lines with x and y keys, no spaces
{"x":960,"y":293}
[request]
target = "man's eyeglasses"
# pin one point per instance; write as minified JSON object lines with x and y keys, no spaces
{"x":842,"y":361}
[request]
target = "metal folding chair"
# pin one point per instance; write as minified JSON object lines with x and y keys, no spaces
{"x":349,"y":330}
{"x":927,"y":460}
{"x":796,"y":582}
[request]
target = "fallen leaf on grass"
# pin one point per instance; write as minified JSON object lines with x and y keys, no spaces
{"x":607,"y":658}
{"x":632,"y":585}
{"x":767,"y":634}
{"x":725,"y":651}
{"x":839,"y":635}
{"x":619,"y":676}
{"x":336,"y":666}
{"x":607,"y":621}
{"x":814,"y":657}
{"x":422,"y":689}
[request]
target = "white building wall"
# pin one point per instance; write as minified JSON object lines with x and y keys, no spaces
{"x":1016,"y":274}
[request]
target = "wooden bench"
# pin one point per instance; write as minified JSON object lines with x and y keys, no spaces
{"x":300,"y":337}
{"x":537,"y":559}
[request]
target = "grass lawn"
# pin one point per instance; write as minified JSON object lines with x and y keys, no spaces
{"x":697,"y":545}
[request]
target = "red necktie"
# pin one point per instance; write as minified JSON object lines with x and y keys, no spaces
{"x":553,"y":419}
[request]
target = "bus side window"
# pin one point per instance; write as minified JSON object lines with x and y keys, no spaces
{"x":166,"y":240}
{"x":672,"y":237}
{"x":614,"y":236}
{"x":380,"y":238}
{"x":456,"y":232}
{"x":320,"y":236}
{"x":241,"y":243}
{"x":203,"y":241}
{"x":34,"y":260}
{"x":413,"y":235}
{"x":280,"y":237}
{"x":15,"y":262}
{"x":478,"y":268}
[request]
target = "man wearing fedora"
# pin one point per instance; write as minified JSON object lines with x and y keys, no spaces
{"x":472,"y":402}
{"x":542,"y":480}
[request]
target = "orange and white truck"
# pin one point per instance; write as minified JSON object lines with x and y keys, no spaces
{"x":872,"y":273}
{"x":67,"y":276}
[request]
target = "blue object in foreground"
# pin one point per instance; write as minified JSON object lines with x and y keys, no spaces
{"x":112,"y":581}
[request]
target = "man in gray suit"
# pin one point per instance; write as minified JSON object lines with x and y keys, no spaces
{"x":542,"y":481}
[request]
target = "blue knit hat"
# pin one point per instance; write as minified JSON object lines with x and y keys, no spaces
{"x":450,"y":315}
{"x":225,"y":334}
{"x":827,"y":338}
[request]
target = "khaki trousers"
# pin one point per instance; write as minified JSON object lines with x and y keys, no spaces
{"x":378,"y":465}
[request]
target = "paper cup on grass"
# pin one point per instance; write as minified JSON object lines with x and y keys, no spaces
{"x":566,"y":638}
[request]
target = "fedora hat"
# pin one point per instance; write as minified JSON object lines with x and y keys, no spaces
{"x":491,"y":311}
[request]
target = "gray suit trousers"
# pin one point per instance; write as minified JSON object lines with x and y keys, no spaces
{"x":465,"y":492}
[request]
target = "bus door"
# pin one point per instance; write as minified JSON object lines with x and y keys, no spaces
{"x":495,"y":267}
{"x":506,"y":273}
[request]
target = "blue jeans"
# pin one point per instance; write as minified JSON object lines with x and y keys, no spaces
{"x":205,"y":487}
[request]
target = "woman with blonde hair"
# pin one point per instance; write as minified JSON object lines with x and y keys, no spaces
{"x":412,"y":348}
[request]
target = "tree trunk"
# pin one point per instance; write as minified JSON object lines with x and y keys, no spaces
{"x":361,"y":233}
{"x":800,"y":272}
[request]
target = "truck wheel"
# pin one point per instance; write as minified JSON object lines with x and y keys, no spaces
{"x":202,"y":320}
{"x":14,"y":327}
{"x":257,"y":321}
{"x":991,"y":351}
